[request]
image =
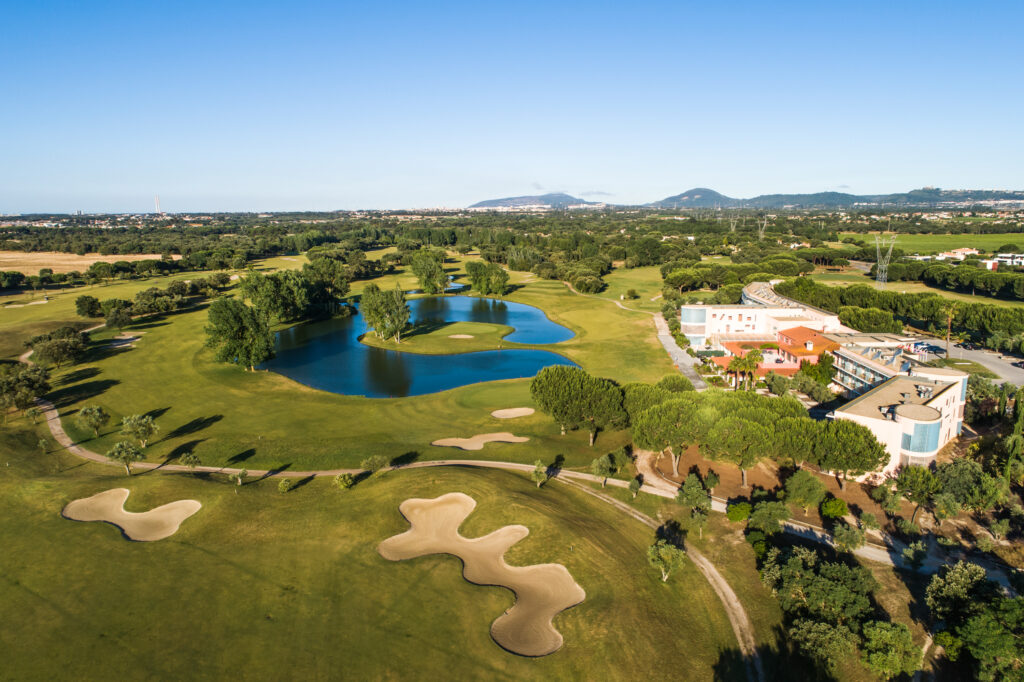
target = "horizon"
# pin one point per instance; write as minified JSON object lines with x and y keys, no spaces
{"x":317,"y":107}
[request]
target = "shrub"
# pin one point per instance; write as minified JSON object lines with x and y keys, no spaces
{"x":869,"y":521}
{"x":907,"y":528}
{"x":631,"y":294}
{"x":676,"y":383}
{"x":738,"y":511}
{"x":834,"y":508}
{"x":284,"y":485}
{"x":758,"y":542}
{"x":344,"y":481}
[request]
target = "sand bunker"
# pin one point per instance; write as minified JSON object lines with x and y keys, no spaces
{"x":460,"y":336}
{"x":512,"y":412}
{"x":155,"y":524}
{"x":478,"y":441}
{"x":542,"y":591}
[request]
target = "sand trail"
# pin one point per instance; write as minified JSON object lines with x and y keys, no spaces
{"x":478,"y":441}
{"x":512,"y":412}
{"x":155,"y":524}
{"x":542,"y":591}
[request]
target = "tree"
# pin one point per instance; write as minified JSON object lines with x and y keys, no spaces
{"x":969,"y":485}
{"x":284,"y":485}
{"x":665,"y":557}
{"x":869,"y":521}
{"x":738,"y":511}
{"x":374,"y":463}
{"x":427,"y":265}
{"x":693,"y":495}
{"x":88,"y":306}
{"x":21,"y":385}
{"x":957,"y":592}
{"x":601,"y":405}
{"x":740,"y":441}
{"x":675,"y":383}
{"x":344,"y":481}
{"x":917,"y":485}
{"x":804,"y":490}
{"x":239,"y":334}
{"x":947,"y":311}
{"x":711,"y":481}
{"x":993,"y":638}
{"x":914,"y":553}
{"x":767,"y":517}
{"x":602,"y":467}
{"x":239,"y":477}
{"x":539,"y":473}
{"x":847,"y":538}
{"x":93,"y":417}
{"x":554,"y":390}
{"x":126,"y":453}
{"x":140,"y":427}
{"x":118,"y":318}
{"x":849,"y":449}
{"x":834,"y":508}
{"x":190,"y":459}
{"x":386,"y":312}
{"x":944,"y":506}
{"x":636,"y":398}
{"x":827,"y":644}
{"x":889,"y":650}
{"x":634,"y":486}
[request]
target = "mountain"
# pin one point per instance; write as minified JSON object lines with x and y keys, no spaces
{"x":554,"y":200}
{"x":702,"y":197}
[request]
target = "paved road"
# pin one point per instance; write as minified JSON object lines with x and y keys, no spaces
{"x":989,"y":359}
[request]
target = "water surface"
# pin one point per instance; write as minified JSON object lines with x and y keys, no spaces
{"x":329,"y":356}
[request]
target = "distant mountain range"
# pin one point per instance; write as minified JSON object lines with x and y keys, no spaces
{"x":701,"y":197}
{"x":553,"y":200}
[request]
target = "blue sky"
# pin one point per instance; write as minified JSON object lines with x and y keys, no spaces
{"x":299,"y":105}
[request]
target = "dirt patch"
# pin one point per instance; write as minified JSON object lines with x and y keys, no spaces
{"x":542,"y":591}
{"x":478,"y":441}
{"x":512,"y":412}
{"x":460,"y":336}
{"x":155,"y":524}
{"x":31,"y":262}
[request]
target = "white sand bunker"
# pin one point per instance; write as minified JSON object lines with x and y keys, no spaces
{"x":542,"y":591}
{"x":512,"y":412}
{"x":155,"y":524}
{"x":478,"y":441}
{"x":460,"y":336}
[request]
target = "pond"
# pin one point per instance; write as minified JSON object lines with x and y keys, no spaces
{"x":329,"y":356}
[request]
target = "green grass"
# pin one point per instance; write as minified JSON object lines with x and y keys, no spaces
{"x":968,"y":366}
{"x":931,"y":243}
{"x":847,"y":279}
{"x":269,"y":586}
{"x":646,"y":281}
{"x":432,"y":340}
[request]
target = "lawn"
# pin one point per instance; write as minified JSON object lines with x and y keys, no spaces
{"x":264,"y":585}
{"x":933,"y":243}
{"x":432,"y":340}
{"x":646,"y":281}
{"x":847,"y":279}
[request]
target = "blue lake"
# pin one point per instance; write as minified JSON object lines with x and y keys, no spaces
{"x":329,"y":356}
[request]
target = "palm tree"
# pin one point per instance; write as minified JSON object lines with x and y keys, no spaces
{"x":737,"y":366}
{"x":753,"y":358}
{"x":948,"y":310}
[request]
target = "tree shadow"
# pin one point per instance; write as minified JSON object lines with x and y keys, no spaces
{"x":157,"y":413}
{"x":276,"y":470}
{"x":63,"y":397}
{"x":78,"y":375}
{"x":555,"y":467}
{"x":242,"y":456}
{"x":194,"y":426}
{"x":673,"y":533}
{"x":405,"y":459}
{"x":301,"y":482}
{"x":183,"y":449}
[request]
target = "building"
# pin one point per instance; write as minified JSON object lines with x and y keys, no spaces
{"x":862,"y":361}
{"x":1012,"y":259}
{"x":912,"y":415}
{"x":803,"y":344}
{"x":759,"y":318}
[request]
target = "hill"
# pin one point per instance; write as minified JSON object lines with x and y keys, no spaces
{"x":554,"y":200}
{"x":701,"y":197}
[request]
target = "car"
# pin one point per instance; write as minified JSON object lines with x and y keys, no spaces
{"x":1019,"y":363}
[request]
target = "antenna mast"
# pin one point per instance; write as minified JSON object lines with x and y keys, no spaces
{"x":883,"y":243}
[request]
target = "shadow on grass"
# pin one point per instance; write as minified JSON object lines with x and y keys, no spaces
{"x":280,"y":469}
{"x":673,"y":533}
{"x":78,"y":375}
{"x":242,"y":456}
{"x":194,"y":426}
{"x":301,"y":482}
{"x":157,"y":413}
{"x":63,"y":397}
{"x":405,"y":460}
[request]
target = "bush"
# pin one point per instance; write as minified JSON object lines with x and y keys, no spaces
{"x":834,"y":508}
{"x":847,"y":538}
{"x":344,"y":481}
{"x":631,"y":294}
{"x":284,"y":485}
{"x":738,"y":511}
{"x":907,"y":528}
{"x":869,"y":521}
{"x":676,"y":383}
{"x":758,"y":542}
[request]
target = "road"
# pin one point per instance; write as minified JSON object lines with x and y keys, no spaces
{"x":991,"y":360}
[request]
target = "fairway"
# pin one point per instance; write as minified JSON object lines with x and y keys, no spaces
{"x":291,"y":585}
{"x":934,"y":243}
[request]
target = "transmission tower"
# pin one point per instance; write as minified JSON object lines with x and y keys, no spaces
{"x":156,"y":201}
{"x":732,"y":223}
{"x":761,"y":227}
{"x":883,"y":251}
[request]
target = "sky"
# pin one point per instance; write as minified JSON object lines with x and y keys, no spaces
{"x":255,"y":106}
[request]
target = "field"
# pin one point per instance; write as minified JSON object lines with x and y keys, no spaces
{"x":850,"y":278}
{"x":31,"y":263}
{"x":263,"y":420}
{"x":934,"y":243}
{"x":260,"y":584}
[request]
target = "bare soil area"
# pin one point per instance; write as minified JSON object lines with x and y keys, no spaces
{"x":31,"y":262}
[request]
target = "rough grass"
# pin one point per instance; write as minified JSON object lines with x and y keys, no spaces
{"x":646,"y":281}
{"x":968,"y":366}
{"x":272,"y":586}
